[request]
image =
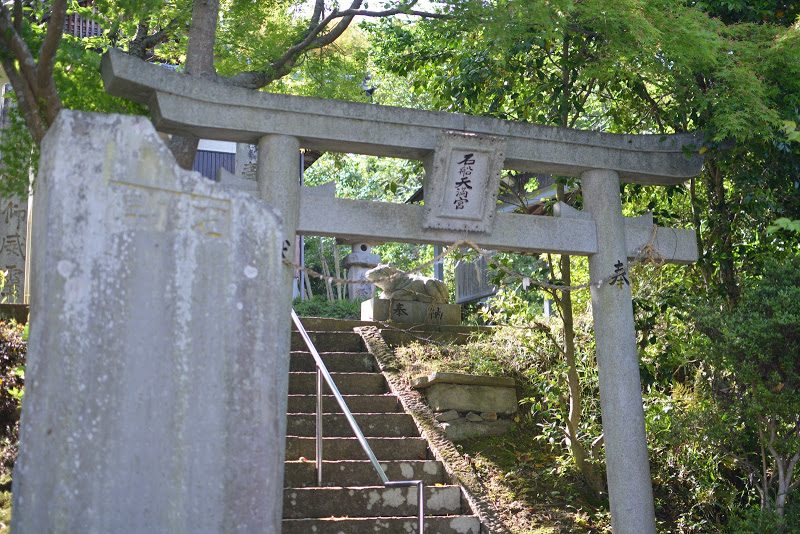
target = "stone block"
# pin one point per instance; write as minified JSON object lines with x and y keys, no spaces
{"x":449,"y":415}
{"x":404,"y":311}
{"x":468,"y":393}
{"x":156,"y":383}
{"x":461,"y":429}
{"x":463,"y":379}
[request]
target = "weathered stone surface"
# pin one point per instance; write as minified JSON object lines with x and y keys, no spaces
{"x":364,"y":220}
{"x":461,"y":429}
{"x":462,"y":183}
{"x":471,"y":398}
{"x":489,"y":416}
{"x":472,"y":417}
{"x":449,"y":415}
{"x":627,"y":466}
{"x":13,"y":248}
{"x":464,"y":379}
{"x":376,"y":309}
{"x":236,"y":182}
{"x":402,"y":286}
{"x":246,"y":161}
{"x":156,"y":387}
{"x":357,"y":264}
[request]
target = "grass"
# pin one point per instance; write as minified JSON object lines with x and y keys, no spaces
{"x":530,"y":490}
{"x":5,"y":512}
{"x":530,"y":481}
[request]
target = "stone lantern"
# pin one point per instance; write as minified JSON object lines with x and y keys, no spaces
{"x":358,"y":262}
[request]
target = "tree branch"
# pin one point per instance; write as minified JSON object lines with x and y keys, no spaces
{"x":17,"y":15}
{"x":404,"y":10}
{"x":141,"y":43}
{"x":790,"y":470}
{"x":313,"y":38}
{"x":318,"y":6}
{"x":19,"y":49}
{"x":26,"y":101}
{"x":47,"y":53}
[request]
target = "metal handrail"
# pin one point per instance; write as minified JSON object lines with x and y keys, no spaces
{"x":323,"y":374}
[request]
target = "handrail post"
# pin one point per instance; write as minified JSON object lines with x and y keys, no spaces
{"x":319,"y":427}
{"x":421,"y":505}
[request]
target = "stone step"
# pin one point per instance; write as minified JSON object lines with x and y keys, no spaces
{"x":329,"y":341}
{"x":453,"y":524}
{"x":385,"y":449}
{"x":357,"y":403}
{"x":348,"y":383}
{"x":452,"y":335}
{"x":368,"y":501}
{"x":341,"y":362}
{"x":301,"y":474}
{"x":327,"y":323}
{"x":395,"y":425}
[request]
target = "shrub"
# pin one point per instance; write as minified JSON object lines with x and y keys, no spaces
{"x":753,"y":351}
{"x":12,"y":379}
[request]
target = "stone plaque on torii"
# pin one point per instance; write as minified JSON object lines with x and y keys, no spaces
{"x":463,"y":156}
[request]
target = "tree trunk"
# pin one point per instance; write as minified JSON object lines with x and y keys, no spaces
{"x":578,"y":451}
{"x":703,"y":264}
{"x":200,"y":63}
{"x":721,"y":238}
{"x":184,"y":148}
{"x":202,"y":35}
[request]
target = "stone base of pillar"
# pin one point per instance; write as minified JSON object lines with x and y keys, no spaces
{"x":404,"y":311}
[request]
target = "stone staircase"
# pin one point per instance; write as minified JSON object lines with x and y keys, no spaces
{"x":352,"y":499}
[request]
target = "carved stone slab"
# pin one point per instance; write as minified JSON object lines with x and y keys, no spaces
{"x":437,"y":313}
{"x":156,"y":384}
{"x":462,"y":185}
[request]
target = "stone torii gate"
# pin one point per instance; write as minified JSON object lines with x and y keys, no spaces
{"x":463,"y":156}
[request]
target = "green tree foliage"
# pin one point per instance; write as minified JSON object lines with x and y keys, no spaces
{"x":252,"y":44}
{"x":20,"y":156}
{"x":754,"y":355}
{"x":12,"y":380}
{"x":727,"y":68}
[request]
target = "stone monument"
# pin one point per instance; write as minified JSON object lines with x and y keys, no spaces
{"x":156,"y":382}
{"x":13,"y":239}
{"x":408,"y":298}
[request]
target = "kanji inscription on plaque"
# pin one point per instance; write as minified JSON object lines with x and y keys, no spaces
{"x":462,"y":183}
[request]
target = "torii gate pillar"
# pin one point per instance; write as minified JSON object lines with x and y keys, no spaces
{"x":628,"y":469}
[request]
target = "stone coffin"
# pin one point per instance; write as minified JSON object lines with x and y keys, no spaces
{"x":404,"y":311}
{"x":468,"y":393}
